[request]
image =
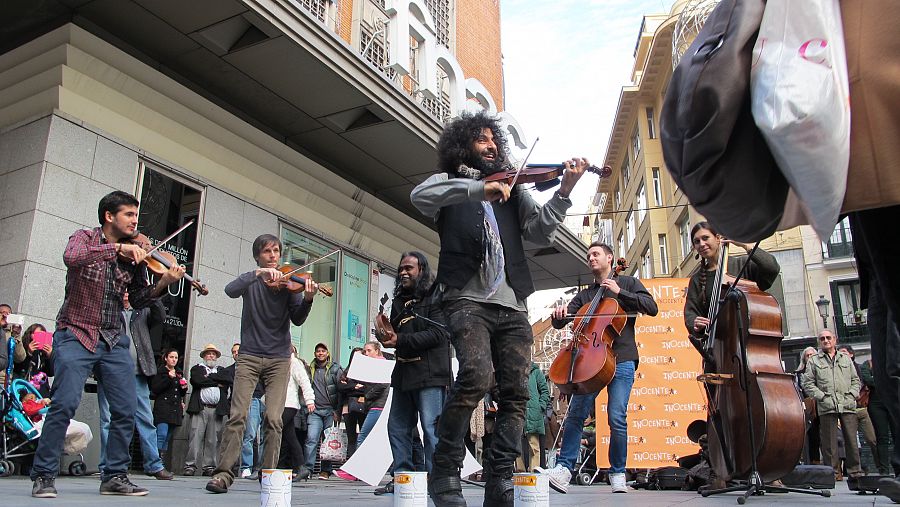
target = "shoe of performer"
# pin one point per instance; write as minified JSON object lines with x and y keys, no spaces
{"x":387,"y":489}
{"x":560,"y":477}
{"x":162,"y":475}
{"x":217,"y":485}
{"x":617,"y":483}
{"x":446,"y":490}
{"x":43,"y":487}
{"x":887,"y":487}
{"x":498,"y":490}
{"x":119,"y":484}
{"x":245,"y":473}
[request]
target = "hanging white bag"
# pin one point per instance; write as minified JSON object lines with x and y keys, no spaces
{"x":800,"y":100}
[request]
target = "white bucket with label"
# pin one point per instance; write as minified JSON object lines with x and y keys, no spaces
{"x":531,"y":490}
{"x":411,"y":489}
{"x":275,"y":488}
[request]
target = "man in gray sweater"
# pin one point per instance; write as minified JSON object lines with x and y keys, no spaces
{"x":264,"y":356}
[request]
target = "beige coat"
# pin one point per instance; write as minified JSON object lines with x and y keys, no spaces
{"x":873,"y":62}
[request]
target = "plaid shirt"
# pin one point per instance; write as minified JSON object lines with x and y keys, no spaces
{"x":95,"y":284}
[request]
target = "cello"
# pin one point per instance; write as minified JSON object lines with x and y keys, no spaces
{"x":756,"y":425}
{"x":588,"y":364}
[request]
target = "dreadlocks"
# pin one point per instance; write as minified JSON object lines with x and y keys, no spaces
{"x":455,"y":145}
{"x":424,"y":281}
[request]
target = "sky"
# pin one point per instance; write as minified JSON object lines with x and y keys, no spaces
{"x":564,"y":63}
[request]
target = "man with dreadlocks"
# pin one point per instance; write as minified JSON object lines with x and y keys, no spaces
{"x":484,"y":279}
{"x":422,"y":372}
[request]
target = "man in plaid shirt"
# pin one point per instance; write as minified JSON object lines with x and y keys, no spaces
{"x":89,"y":338}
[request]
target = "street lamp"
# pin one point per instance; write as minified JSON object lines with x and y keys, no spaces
{"x":822,"y":306}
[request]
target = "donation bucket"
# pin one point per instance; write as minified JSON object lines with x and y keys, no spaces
{"x":531,"y":490}
{"x":411,"y":489}
{"x":275,"y":488}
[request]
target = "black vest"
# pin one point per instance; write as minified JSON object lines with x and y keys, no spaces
{"x":461,"y":227}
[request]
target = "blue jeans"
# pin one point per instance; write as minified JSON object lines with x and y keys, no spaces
{"x":317,"y":421}
{"x":491,"y":342}
{"x":254,"y":418}
{"x":162,"y":436}
{"x":72,"y":364}
{"x":143,"y":421}
{"x":371,"y":418}
{"x":619,"y":390}
{"x":406,"y":408}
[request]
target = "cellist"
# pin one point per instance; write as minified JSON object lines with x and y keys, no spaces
{"x":633,"y":297}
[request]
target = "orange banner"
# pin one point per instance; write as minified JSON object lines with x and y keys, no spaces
{"x":666,"y":396}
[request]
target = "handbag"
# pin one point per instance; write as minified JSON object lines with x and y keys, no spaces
{"x":334,"y":445}
{"x":800,"y":100}
{"x":711,"y":145}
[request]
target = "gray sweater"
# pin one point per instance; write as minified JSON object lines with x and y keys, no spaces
{"x":267,"y":316}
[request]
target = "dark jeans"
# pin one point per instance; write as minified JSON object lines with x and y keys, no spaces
{"x":291,"y":450}
{"x":489,"y":340}
{"x":73,"y":363}
{"x":881,"y":420}
{"x":877,"y":250}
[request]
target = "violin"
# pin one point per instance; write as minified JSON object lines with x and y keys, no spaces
{"x":587,"y":364}
{"x":544,"y":176}
{"x":159,"y":262}
{"x":295,"y":282}
{"x":383,"y":327}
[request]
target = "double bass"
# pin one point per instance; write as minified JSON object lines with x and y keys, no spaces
{"x":756,"y":425}
{"x":588,"y":364}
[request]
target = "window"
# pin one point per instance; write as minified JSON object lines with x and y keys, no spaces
{"x":621,"y":245}
{"x":626,"y":172}
{"x":641,"y":204}
{"x":298,"y":249}
{"x":684,"y":231}
{"x":635,"y":143}
{"x":646,"y":264}
{"x":651,"y":127}
{"x":657,"y":187}
{"x":618,"y":198}
{"x":663,"y":254}
{"x":840,"y":244}
{"x":630,"y":229}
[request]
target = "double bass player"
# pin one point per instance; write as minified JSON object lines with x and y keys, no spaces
{"x":633,"y":297}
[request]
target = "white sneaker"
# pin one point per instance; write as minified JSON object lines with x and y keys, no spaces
{"x":560,"y":477}
{"x":245,"y":473}
{"x":617,"y":481}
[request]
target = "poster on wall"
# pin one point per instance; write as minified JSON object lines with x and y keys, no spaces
{"x":354,"y":305}
{"x":666,"y":396}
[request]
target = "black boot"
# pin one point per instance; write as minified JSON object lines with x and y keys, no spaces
{"x":498,"y":490}
{"x":446,"y":490}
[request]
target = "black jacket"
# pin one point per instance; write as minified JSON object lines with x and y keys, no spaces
{"x":141,"y":321}
{"x":423,"y":348}
{"x":169,"y":396}
{"x":632,"y":297}
{"x":199,"y":380}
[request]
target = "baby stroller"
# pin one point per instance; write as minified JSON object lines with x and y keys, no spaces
{"x":18,"y":434}
{"x":587,"y":471}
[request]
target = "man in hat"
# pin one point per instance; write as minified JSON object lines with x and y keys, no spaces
{"x":207,"y":406}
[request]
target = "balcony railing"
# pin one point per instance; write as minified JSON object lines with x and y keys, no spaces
{"x":837,"y":250}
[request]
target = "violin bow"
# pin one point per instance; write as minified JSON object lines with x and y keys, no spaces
{"x":170,"y":236}
{"x":524,"y":161}
{"x":289,"y":273}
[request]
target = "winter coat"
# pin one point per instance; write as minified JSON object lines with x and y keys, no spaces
{"x":332,"y":376}
{"x":833,"y":383}
{"x":298,"y":383}
{"x":141,"y":321}
{"x":199,"y":380}
{"x":423,"y":348}
{"x":169,"y":395}
{"x":538,"y":401}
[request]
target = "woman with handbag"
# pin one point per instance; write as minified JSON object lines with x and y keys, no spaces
{"x":169,"y":387}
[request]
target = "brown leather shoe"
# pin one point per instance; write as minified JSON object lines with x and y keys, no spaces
{"x":162,"y":475}
{"x":838,"y":476}
{"x":216,"y":485}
